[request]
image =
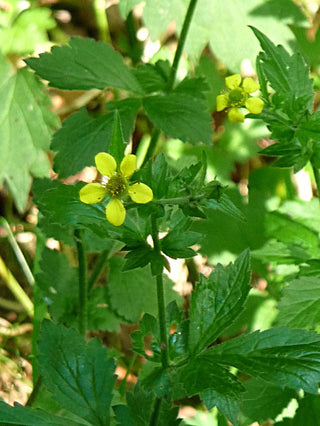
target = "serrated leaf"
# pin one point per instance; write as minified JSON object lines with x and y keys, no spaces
{"x":287,"y":230}
{"x":282,"y":253}
{"x":216,"y":386}
{"x":134,"y":292}
{"x":300,"y":303}
{"x":62,"y":204}
{"x":263,"y":401}
{"x":25,"y":131}
{"x":284,"y":357}
{"x":79,"y":374}
{"x":153,"y":77}
{"x":226,"y":206}
{"x":287,"y":75}
{"x":217,"y":301}
{"x":27,"y":32}
{"x":139,"y":410}
{"x":13,"y":416}
{"x":82,"y":136}
{"x":84,"y":64}
{"x":180,"y":116}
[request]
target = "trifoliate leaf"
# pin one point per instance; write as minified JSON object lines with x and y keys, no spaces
{"x":84,"y":64}
{"x":80,"y":375}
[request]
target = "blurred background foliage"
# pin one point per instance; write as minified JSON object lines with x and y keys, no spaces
{"x":280,"y":212}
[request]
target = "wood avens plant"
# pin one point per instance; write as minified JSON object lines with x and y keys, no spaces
{"x":136,"y":218}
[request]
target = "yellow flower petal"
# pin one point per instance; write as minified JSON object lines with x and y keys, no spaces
{"x":254,"y":105}
{"x":128,"y":165}
{"x":233,"y":81}
{"x":92,"y":193}
{"x":250,"y":86}
{"x":140,"y":193}
{"x":115,"y":212}
{"x":222,"y":102}
{"x":235,"y":116}
{"x":106,"y":164}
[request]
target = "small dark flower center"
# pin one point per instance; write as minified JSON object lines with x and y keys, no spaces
{"x":116,"y":185}
{"x":236,"y":97}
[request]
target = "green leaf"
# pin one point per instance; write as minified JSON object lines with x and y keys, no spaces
{"x":13,"y":416}
{"x":216,"y":386}
{"x":82,"y":136}
{"x":287,"y":230}
{"x":284,"y":357}
{"x":134,"y":292}
{"x":282,"y":253}
{"x":25,"y":131}
{"x":176,"y":243}
{"x":217,"y":301}
{"x":27,"y":31}
{"x":61,"y":203}
{"x":139,"y":410}
{"x":117,"y":145}
{"x":287,"y":75}
{"x":308,"y":412}
{"x":125,"y":6}
{"x":263,"y":401}
{"x":300,"y":303}
{"x":153,"y":77}
{"x":100,"y":317}
{"x":79,"y":374}
{"x":84,"y":64}
{"x":180,"y":116}
{"x":58,"y":284}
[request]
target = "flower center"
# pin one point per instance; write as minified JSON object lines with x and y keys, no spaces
{"x":236,"y":97}
{"x":116,"y":185}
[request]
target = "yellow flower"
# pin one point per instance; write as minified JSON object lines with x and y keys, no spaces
{"x":115,"y":183}
{"x":238,"y":96}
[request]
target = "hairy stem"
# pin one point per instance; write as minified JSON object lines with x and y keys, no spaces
{"x":83,"y":285}
{"x":160,"y":299}
{"x":98,"y":268}
{"x":102,"y":20}
{"x":173,"y":71}
{"x":181,"y":42}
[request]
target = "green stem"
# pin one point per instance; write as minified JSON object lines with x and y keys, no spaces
{"x":156,"y":412}
{"x":35,"y":391}
{"x":102,"y":20}
{"x":83,"y":287}
{"x":98,"y":268}
{"x":181,"y":42}
{"x":16,"y":289}
{"x":17,"y":251}
{"x":152,"y":146}
{"x":122,"y":387}
{"x":160,"y":298}
{"x":316,"y":178}
{"x":173,"y":72}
